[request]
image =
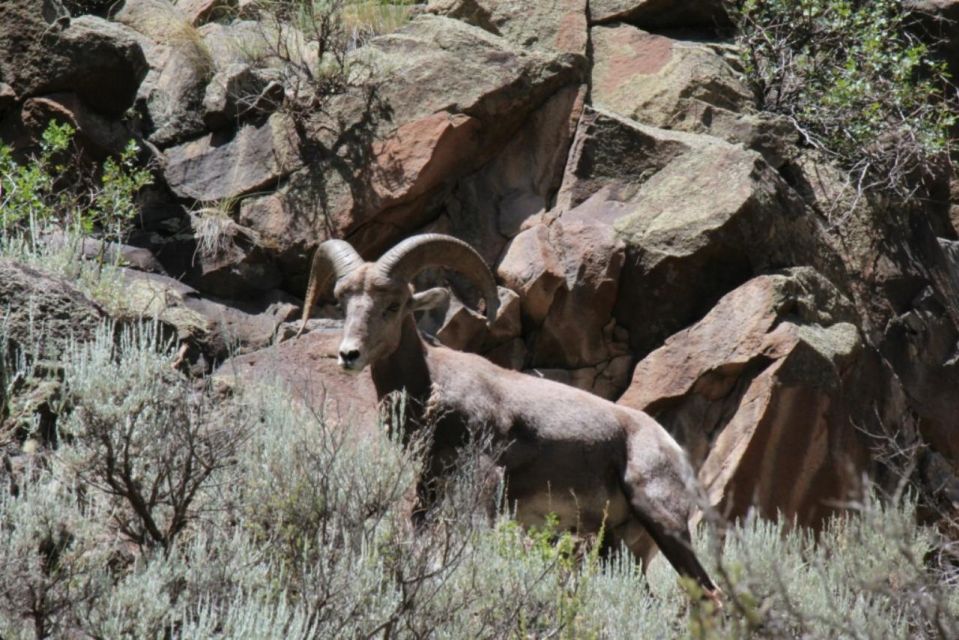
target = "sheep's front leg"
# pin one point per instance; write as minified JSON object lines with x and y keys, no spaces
{"x":656,"y":488}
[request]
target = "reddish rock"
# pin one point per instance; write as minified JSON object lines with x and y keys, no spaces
{"x":307,"y":367}
{"x":532,"y":268}
{"x":464,"y":329}
{"x":766,"y":393}
{"x":515,"y":188}
{"x":577,"y":331}
{"x":450,"y":99}
{"x":420,"y":155}
{"x":567,"y":273}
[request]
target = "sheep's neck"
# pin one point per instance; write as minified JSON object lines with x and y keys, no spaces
{"x":405,"y":370}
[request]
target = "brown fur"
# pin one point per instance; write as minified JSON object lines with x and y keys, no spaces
{"x":593,"y":463}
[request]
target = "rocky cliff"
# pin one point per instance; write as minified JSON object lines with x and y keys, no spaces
{"x":658,"y":239}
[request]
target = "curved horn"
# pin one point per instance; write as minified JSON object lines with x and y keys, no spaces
{"x":333,"y":258}
{"x":431,"y":250}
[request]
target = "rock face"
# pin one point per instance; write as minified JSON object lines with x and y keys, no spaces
{"x":764,"y":393}
{"x":449,"y":98}
{"x":658,"y":239}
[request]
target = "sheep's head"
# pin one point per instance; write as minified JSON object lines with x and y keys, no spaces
{"x":377,"y":296}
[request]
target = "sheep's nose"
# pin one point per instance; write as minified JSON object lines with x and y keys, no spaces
{"x":349,"y":357}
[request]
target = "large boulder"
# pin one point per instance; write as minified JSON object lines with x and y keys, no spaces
{"x":171,"y":96}
{"x":237,"y":93}
{"x":680,"y":84}
{"x":551,"y":26}
{"x":771,"y":393}
{"x":567,"y":272}
{"x":701,"y":225}
{"x":43,"y":51}
{"x":222,"y":165}
{"x":613,"y":154}
{"x":696,"y":214}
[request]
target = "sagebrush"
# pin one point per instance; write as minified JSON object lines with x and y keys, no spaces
{"x":171,"y":509}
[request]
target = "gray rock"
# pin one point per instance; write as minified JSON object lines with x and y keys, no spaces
{"x":200,"y":11}
{"x":550,"y":26}
{"x":215,"y":328}
{"x":171,"y":95}
{"x":239,"y":93}
{"x":614,"y":154}
{"x":41,"y":313}
{"x":99,"y":60}
{"x":218,"y":167}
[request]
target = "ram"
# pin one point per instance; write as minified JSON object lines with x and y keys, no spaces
{"x":591,"y":462}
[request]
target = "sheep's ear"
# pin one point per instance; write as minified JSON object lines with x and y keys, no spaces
{"x":430,"y":299}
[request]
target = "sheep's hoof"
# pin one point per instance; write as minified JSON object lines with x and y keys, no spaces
{"x":716,"y":597}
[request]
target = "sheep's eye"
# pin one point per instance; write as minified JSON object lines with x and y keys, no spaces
{"x":393,"y":308}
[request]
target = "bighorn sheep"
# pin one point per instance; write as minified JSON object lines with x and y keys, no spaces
{"x":565,"y":451}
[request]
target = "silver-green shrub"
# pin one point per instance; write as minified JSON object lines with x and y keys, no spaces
{"x":169,"y":510}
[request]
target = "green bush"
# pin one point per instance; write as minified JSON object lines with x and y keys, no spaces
{"x":169,"y":510}
{"x":856,"y":83}
{"x":48,"y":203}
{"x":46,"y":192}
